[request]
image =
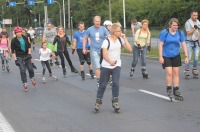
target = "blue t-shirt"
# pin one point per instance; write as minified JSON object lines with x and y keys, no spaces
{"x":171,"y":46}
{"x":79,"y":39}
{"x":96,"y":37}
{"x":22,"y":44}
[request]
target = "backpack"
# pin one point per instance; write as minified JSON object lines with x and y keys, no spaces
{"x":101,"y":57}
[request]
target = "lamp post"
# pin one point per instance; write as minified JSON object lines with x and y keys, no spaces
{"x":64,"y":13}
{"x":60,"y":12}
{"x":69,"y":14}
{"x":110,"y":14}
{"x":124,"y":14}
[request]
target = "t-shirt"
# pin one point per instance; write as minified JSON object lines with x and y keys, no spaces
{"x":50,"y":34}
{"x":189,"y":25}
{"x":44,"y":54}
{"x":79,"y":39}
{"x":96,"y":35}
{"x":171,"y":46}
{"x":136,"y":26}
{"x":32,"y":33}
{"x":113,"y":52}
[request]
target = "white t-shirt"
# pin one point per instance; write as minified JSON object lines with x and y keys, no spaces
{"x":44,"y":54}
{"x":113,"y":52}
{"x":31,"y":32}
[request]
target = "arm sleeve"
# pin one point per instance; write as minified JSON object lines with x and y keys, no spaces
{"x":187,"y":26}
{"x":67,"y":40}
{"x":182,"y":36}
{"x":162,"y":35}
{"x":105,"y":44}
{"x":12,"y":47}
{"x":87,"y":34}
{"x":55,"y":40}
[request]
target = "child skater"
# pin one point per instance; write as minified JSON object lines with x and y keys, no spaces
{"x":45,"y":54}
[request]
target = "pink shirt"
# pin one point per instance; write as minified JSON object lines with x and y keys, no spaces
{"x":4,"y":44}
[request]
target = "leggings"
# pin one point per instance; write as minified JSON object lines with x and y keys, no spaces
{"x":44,"y":65}
{"x":66,"y":54}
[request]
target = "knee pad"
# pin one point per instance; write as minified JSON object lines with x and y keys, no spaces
{"x":88,"y":61}
{"x":82,"y":62}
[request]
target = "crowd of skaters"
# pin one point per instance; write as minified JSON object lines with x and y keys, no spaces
{"x":100,"y":47}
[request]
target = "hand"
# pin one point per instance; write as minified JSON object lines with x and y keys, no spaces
{"x":149,"y":48}
{"x":123,"y":36}
{"x":73,"y":51}
{"x":112,"y":63}
{"x":84,"y":51}
{"x":195,"y":26}
{"x":161,"y":60}
{"x":17,"y":63}
{"x":186,"y":60}
{"x":139,"y":47}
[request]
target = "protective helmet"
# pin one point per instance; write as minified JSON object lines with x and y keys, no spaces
{"x":17,"y":29}
{"x":107,"y":22}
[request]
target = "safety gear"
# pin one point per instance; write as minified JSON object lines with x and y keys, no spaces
{"x":107,"y":22}
{"x":17,"y":29}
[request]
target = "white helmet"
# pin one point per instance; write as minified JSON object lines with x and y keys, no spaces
{"x":107,"y":22}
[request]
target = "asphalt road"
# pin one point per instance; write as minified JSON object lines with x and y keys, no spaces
{"x":67,"y":105}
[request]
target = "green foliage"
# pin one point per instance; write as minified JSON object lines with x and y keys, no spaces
{"x":158,"y":12}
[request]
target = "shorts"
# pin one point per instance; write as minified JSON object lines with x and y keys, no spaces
{"x":82,"y":56}
{"x":49,"y":46}
{"x":32,"y":40}
{"x":172,"y":61}
{"x":95,"y":56}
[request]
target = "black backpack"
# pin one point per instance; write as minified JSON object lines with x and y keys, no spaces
{"x":101,"y":57}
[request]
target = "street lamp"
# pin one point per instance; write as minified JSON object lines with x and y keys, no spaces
{"x":110,"y":14}
{"x":124,"y":14}
{"x":60,"y":12}
{"x":64,"y":14}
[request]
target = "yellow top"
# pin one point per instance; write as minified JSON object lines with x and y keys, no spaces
{"x":142,"y":38}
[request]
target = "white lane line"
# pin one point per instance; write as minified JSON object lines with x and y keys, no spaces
{"x":89,"y":74}
{"x":157,"y":95}
{"x":4,"y":125}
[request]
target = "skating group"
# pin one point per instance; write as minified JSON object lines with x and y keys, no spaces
{"x":100,"y":47}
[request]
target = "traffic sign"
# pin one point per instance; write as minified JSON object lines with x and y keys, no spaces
{"x":13,"y":3}
{"x":31,"y":2}
{"x":50,"y":1}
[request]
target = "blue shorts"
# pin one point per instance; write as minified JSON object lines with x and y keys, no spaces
{"x":95,"y":57}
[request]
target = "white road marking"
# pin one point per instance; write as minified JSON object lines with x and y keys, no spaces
{"x":89,"y":74}
{"x":157,"y":95}
{"x":4,"y":125}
